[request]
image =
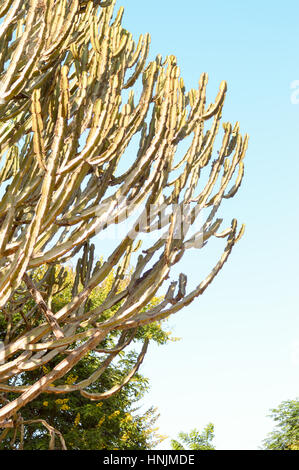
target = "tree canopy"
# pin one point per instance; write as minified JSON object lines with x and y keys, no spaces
{"x":286,"y":433}
{"x":74,"y":422}
{"x":195,"y":440}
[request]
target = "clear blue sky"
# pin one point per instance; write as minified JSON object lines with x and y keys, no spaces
{"x":237,"y":357}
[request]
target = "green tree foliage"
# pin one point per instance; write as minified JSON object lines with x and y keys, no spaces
{"x":195,"y":440}
{"x":77,"y":422}
{"x":110,"y":424}
{"x":286,"y":434}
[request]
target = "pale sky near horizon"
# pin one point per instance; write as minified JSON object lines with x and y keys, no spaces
{"x":239,"y":352}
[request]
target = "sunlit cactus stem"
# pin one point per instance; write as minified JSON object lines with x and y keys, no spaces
{"x":68,"y":112}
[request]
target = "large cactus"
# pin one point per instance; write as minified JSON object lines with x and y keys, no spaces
{"x":67,"y":115}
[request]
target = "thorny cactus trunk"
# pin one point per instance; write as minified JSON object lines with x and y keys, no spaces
{"x":65,"y":69}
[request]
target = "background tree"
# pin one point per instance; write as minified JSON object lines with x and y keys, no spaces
{"x":65,"y":70}
{"x":286,"y":434}
{"x":194,"y":440}
{"x":78,"y":423}
{"x":74,"y":420}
